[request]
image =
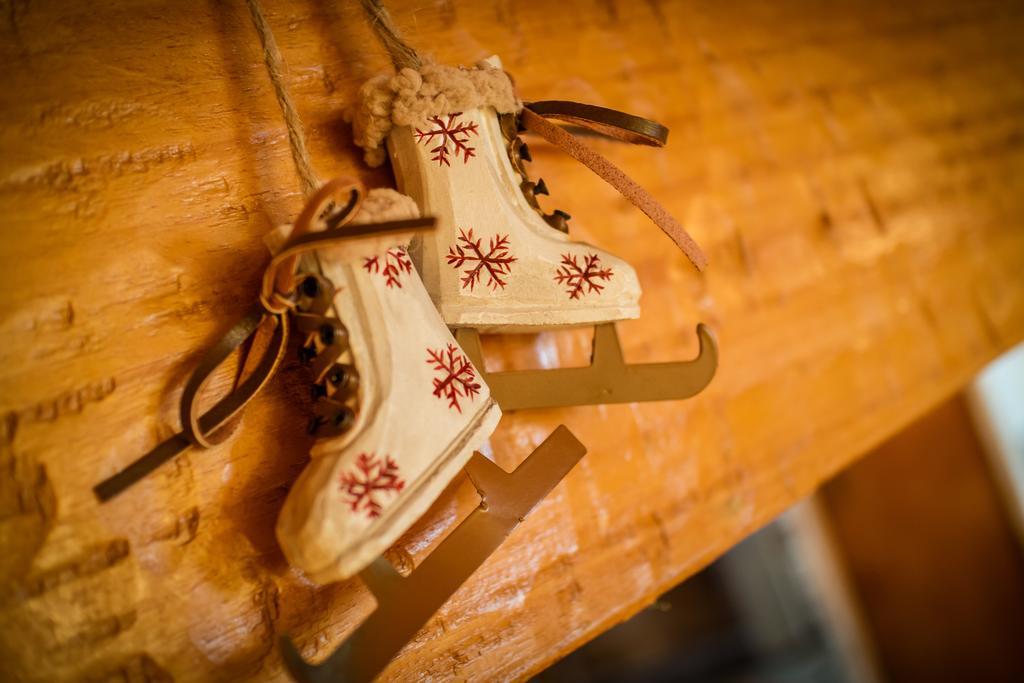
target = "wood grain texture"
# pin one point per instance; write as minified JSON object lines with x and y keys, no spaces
{"x":853,"y":171}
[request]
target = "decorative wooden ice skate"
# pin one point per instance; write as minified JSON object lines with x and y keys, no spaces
{"x":422,"y":410}
{"x":405,"y":604}
{"x":498,"y":263}
{"x":365,"y":323}
{"x":608,"y":378}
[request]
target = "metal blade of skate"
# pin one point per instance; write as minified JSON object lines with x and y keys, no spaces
{"x":406,"y":604}
{"x":608,"y":378}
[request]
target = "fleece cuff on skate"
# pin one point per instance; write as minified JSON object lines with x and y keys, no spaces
{"x":383,"y":204}
{"x":412,"y":97}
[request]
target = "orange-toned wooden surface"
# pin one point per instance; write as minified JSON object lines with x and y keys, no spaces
{"x":853,"y":170}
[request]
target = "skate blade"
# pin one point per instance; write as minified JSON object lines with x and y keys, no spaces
{"x":608,"y":378}
{"x":405,"y":604}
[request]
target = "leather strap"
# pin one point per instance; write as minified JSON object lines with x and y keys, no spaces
{"x":620,"y":126}
{"x":278,"y":279}
{"x":614,"y":124}
{"x":272,"y":298}
{"x":200,"y":430}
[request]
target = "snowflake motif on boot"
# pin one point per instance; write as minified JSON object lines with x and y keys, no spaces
{"x":372,"y":477}
{"x":579,"y":281}
{"x":497,"y":262}
{"x":456,"y":378}
{"x":396,"y":262}
{"x":450,"y":131}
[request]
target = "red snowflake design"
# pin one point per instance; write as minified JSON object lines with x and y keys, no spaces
{"x":451,"y":131}
{"x":457,"y":380}
{"x":371,"y":477}
{"x":497,"y":262}
{"x":575,"y":278}
{"x":396,"y":262}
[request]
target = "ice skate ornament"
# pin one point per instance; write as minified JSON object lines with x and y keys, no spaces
{"x":384,"y":452}
{"x":405,"y":604}
{"x":497,"y":262}
{"x":364,"y":487}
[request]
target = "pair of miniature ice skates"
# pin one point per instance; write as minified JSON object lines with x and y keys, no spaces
{"x":401,"y":405}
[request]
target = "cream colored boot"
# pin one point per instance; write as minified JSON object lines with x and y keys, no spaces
{"x":400,"y":407}
{"x":495,"y":262}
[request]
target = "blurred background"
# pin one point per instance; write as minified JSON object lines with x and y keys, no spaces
{"x":908,"y":566}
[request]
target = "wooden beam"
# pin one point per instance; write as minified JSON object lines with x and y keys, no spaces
{"x":853,"y":171}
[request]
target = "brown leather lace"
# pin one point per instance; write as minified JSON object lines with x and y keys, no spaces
{"x":278,"y":311}
{"x":621,"y":126}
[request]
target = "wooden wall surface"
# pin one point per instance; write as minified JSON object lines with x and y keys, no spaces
{"x":853,"y":169}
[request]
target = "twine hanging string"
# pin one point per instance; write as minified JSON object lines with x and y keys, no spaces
{"x":308,"y":178}
{"x":296,"y":133}
{"x":332,"y":204}
{"x":402,"y":54}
